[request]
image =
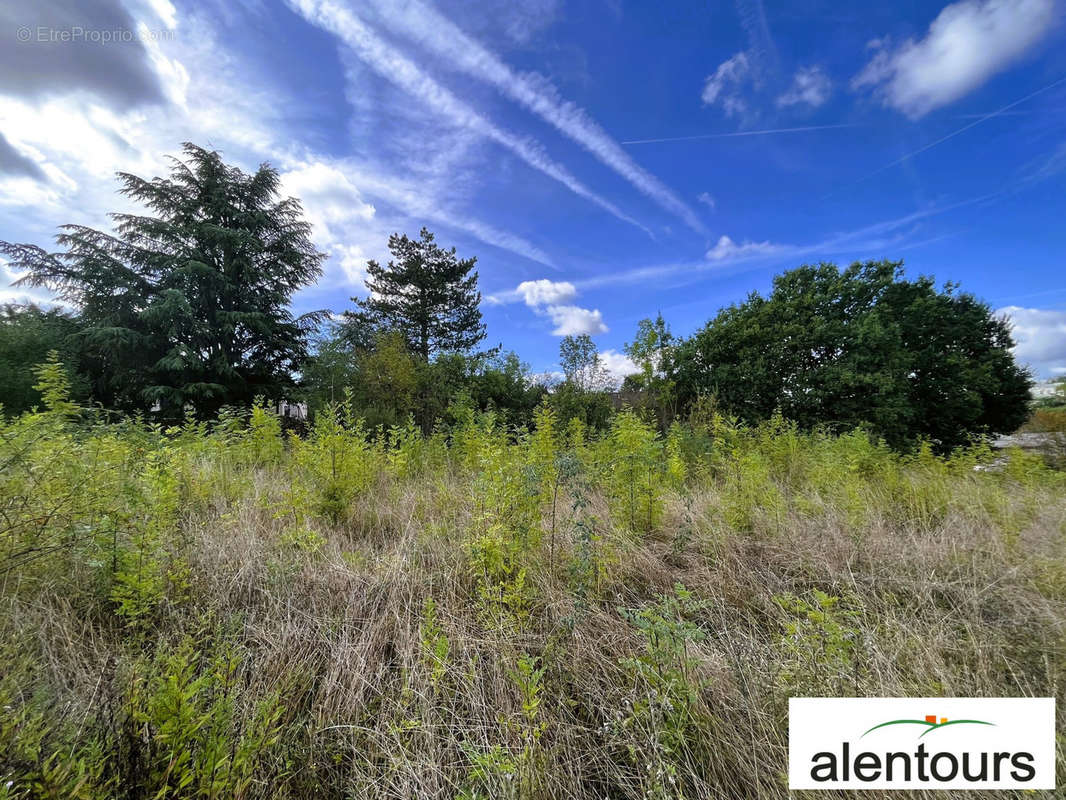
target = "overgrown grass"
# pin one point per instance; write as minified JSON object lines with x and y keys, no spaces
{"x":220,"y":612}
{"x":1046,"y":420}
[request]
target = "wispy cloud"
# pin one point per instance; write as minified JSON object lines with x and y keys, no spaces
{"x":870,"y":241}
{"x":725,"y":86}
{"x":728,"y":250}
{"x":416,"y":202}
{"x":1046,"y":166}
{"x":810,"y":87}
{"x":439,"y":34}
{"x":339,"y":198}
{"x":384,"y":59}
{"x":734,"y":82}
{"x":968,"y":42}
{"x":761,"y":43}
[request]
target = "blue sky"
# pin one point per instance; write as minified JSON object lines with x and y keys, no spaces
{"x":603,"y":159}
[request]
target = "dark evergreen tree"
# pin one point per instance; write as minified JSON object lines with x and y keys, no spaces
{"x":427,"y":294}
{"x":190,"y":305}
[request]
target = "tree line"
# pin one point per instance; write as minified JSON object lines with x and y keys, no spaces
{"x":187,"y":308}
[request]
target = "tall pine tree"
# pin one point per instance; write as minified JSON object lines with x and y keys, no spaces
{"x":425,"y":293}
{"x":191,"y":305}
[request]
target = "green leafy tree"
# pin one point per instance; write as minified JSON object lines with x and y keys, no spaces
{"x":387,"y":384}
{"x":489,"y":381}
{"x":426,"y":292}
{"x":331,"y":369}
{"x":583,"y":393}
{"x":504,"y":383}
{"x":189,"y":304}
{"x":27,"y":335}
{"x":580,"y":361}
{"x":861,"y":346}
{"x":651,"y":388}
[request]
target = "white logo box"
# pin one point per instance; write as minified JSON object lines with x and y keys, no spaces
{"x":828,"y":732}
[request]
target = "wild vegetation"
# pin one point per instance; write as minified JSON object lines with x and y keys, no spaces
{"x":454,"y":580}
{"x":225,"y":611}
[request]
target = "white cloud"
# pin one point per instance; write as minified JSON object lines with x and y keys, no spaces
{"x":810,"y":87}
{"x":728,"y":250}
{"x":707,"y":200}
{"x":1040,"y":337}
{"x":551,"y":299}
{"x":574,"y":320}
{"x":384,"y":59}
{"x":78,"y":141}
{"x":434,"y":31}
{"x":618,"y":365}
{"x":171,"y":72}
{"x":165,"y":11}
{"x":545,"y":292}
{"x":535,"y":293}
{"x":20,"y":294}
{"x":549,"y":378}
{"x":335,"y":208}
{"x":723,"y":86}
{"x":966,"y":44}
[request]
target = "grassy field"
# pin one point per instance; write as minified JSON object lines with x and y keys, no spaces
{"x":226,"y":612}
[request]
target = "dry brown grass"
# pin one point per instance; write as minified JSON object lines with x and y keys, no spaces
{"x":972,"y":603}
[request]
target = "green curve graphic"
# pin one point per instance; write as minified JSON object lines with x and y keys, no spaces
{"x":957,"y":722}
{"x":931,"y":726}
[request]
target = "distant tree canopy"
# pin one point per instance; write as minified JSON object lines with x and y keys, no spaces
{"x":583,"y":392}
{"x":191,"y":305}
{"x":405,"y":351}
{"x":27,"y":335}
{"x":860,"y":346}
{"x":580,"y":361}
{"x":424,"y":292}
{"x":388,"y":384}
{"x":651,"y":388}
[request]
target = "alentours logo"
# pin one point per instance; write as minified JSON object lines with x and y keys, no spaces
{"x":924,"y":742}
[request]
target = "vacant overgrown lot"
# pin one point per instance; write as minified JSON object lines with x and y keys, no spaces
{"x":222,"y":611}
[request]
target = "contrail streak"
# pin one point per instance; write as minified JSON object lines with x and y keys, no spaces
{"x":433,"y":30}
{"x":404,"y":73}
{"x":744,"y":133}
{"x":955,"y":133}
